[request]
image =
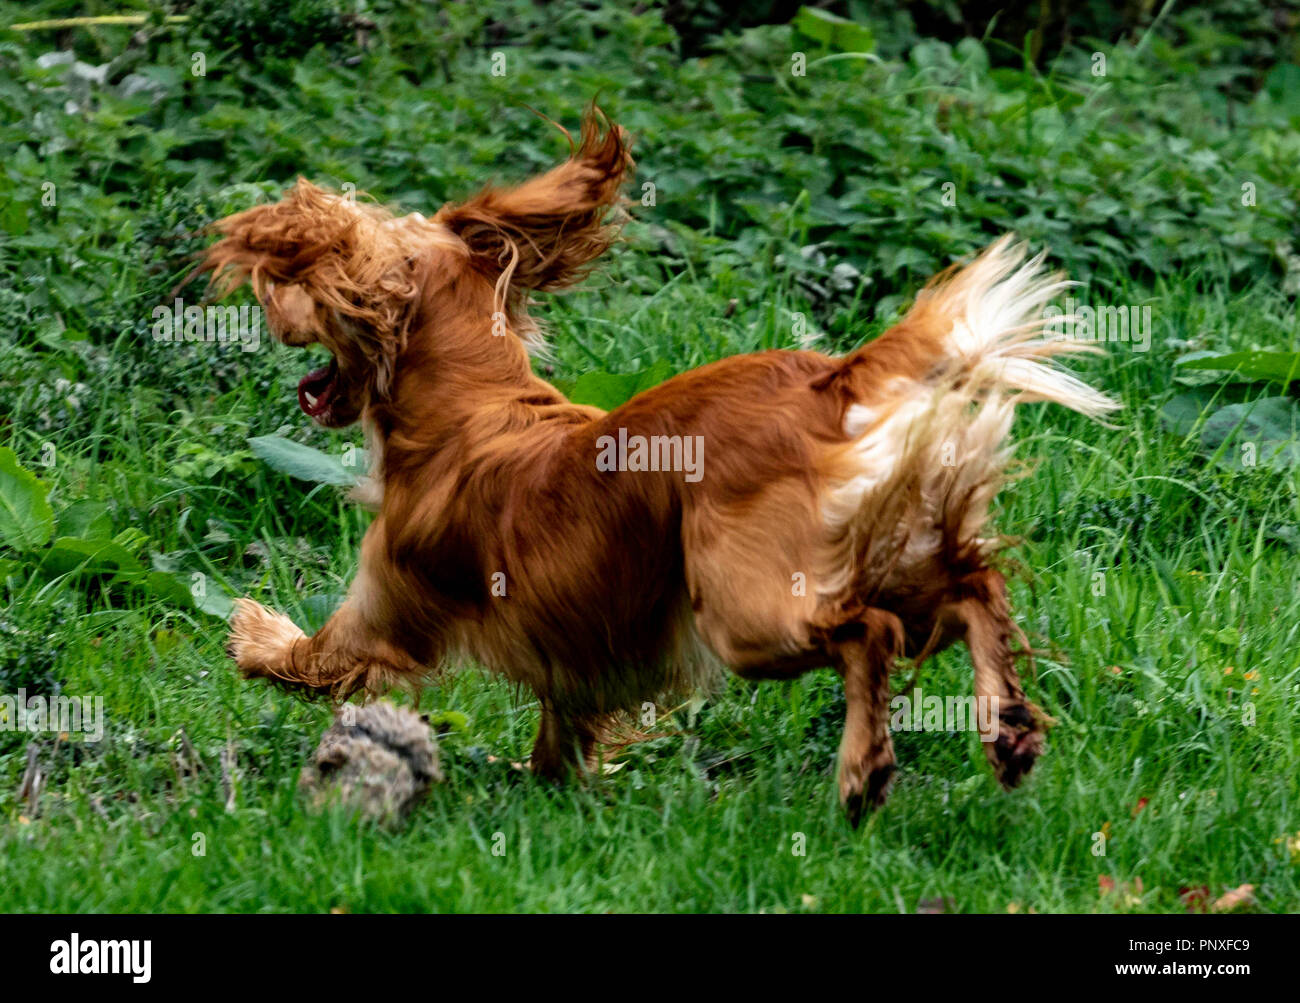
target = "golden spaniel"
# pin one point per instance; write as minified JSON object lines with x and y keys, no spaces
{"x":781,"y":511}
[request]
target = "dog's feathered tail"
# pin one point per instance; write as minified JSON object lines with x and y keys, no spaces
{"x":987,"y":323}
{"x":929,"y":407}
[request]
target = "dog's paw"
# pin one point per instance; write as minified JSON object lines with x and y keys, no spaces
{"x":1019,"y":743}
{"x":261,"y":641}
{"x":865,"y":782}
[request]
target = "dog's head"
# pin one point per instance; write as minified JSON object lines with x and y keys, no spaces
{"x":352,"y":277}
{"x":329,"y":270}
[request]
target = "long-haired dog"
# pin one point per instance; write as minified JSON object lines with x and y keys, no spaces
{"x":837,"y":515}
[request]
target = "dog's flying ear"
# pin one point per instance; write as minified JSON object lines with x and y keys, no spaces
{"x":546,"y":233}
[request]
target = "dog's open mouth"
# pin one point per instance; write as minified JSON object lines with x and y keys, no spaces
{"x":316,"y":390}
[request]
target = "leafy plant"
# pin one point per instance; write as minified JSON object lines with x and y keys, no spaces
{"x":26,"y":519}
{"x":308,"y":464}
{"x":28,"y":522}
{"x":282,"y":29}
{"x":608,"y":390}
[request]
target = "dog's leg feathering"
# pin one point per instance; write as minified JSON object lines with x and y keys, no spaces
{"x":338,"y":659}
{"x":262,"y":642}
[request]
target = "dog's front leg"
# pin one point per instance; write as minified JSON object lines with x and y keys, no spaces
{"x":265,"y":644}
{"x":340,"y":658}
{"x":351,"y":651}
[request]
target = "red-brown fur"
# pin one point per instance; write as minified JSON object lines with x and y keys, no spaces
{"x":620,"y":586}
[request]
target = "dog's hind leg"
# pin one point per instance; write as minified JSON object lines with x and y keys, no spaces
{"x":1012,"y":728}
{"x":865,"y":651}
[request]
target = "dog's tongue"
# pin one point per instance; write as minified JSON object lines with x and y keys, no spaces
{"x":319,"y":383}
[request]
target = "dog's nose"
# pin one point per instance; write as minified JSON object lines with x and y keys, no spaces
{"x":291,"y":315}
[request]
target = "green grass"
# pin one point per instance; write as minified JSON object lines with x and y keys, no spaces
{"x":1137,"y":678}
{"x":1195,"y":560}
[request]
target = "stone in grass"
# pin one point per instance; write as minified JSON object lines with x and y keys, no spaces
{"x":378,"y":759}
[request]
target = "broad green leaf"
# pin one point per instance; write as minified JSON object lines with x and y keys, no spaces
{"x":608,"y":390}
{"x":133,"y":538}
{"x":834,"y":32}
{"x":26,"y":519}
{"x":1229,"y":636}
{"x":1187,"y":374}
{"x":1265,"y":429}
{"x":163,"y":586}
{"x":71,"y":554}
{"x":214,"y":603}
{"x":87,"y":519}
{"x":304,"y":462}
{"x":208,"y":598}
{"x":1180,"y":413}
{"x":75,"y":556}
{"x":1252,"y":365}
{"x":449,"y":720}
